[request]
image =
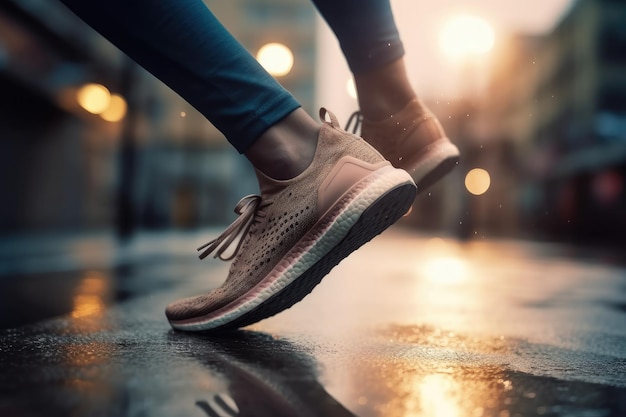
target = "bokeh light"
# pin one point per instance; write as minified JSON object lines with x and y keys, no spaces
{"x":465,"y":35}
{"x":116,"y":110}
{"x":95,"y":98}
{"x":276,"y":58}
{"x":477,"y":181}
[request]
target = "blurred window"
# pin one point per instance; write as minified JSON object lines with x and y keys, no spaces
{"x":612,"y":99}
{"x":611,"y":126}
{"x":612,"y":38}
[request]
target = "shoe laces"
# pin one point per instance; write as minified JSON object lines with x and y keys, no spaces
{"x":356,"y":118}
{"x":249,"y":210}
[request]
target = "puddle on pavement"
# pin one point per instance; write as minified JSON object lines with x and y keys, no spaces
{"x":416,"y":371}
{"x":423,"y":371}
{"x":29,"y":298}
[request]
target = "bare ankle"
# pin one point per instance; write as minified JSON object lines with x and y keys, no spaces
{"x":286,"y":149}
{"x":385,"y":91}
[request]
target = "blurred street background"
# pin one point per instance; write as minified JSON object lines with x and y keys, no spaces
{"x":534,"y":96}
{"x":109,"y":181}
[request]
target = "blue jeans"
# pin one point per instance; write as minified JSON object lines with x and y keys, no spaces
{"x":184,"y":45}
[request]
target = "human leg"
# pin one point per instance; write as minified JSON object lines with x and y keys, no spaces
{"x":370,"y":41}
{"x":392,"y":118}
{"x":183,"y":44}
{"x":312,"y":213}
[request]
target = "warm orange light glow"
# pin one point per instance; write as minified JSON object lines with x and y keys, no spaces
{"x":276,"y":58}
{"x":439,"y":396}
{"x":116,"y":110}
{"x":466,"y":35}
{"x":86,"y":305}
{"x":443,"y":266}
{"x":445,"y":270}
{"x":95,"y":98}
{"x":477,"y":181}
{"x":90,"y":295}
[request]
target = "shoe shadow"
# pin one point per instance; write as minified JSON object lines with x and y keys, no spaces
{"x":265,"y":376}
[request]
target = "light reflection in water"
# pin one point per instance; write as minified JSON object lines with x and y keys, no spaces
{"x":444,"y":264}
{"x":86,"y":358}
{"x":432,"y":372}
{"x":92,"y":295}
{"x":85,"y":305}
{"x":438,"y":389}
{"x":438,"y":395}
{"x":445,"y":270}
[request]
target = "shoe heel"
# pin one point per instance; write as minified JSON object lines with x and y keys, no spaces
{"x":440,"y":159}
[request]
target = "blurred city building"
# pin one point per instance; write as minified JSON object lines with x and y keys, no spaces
{"x":291,"y":23}
{"x":551,"y":130}
{"x":145,"y":159}
{"x":579,"y":128}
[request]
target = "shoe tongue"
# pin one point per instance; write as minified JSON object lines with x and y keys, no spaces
{"x":269,"y":186}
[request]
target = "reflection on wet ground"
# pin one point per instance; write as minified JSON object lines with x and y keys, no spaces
{"x":72,"y":371}
{"x":266,"y":376}
{"x":78,"y":276}
{"x":57,"y":370}
{"x":437,"y":329}
{"x":431,"y":372}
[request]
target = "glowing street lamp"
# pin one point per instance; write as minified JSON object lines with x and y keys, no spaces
{"x":95,"y":98}
{"x":276,"y":58}
{"x":116,"y":110}
{"x":477,"y":181}
{"x":466,"y":35}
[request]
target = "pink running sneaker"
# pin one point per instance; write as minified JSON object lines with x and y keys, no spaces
{"x":411,"y":139}
{"x":297,"y":230}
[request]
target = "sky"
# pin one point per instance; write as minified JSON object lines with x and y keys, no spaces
{"x":433,"y":74}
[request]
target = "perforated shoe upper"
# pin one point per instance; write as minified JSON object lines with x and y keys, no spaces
{"x":283,"y":213}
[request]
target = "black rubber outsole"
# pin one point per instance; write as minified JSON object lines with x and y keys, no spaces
{"x":384,"y":212}
{"x":440,"y":171}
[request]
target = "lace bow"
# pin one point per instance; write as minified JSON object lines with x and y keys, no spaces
{"x":247,"y":208}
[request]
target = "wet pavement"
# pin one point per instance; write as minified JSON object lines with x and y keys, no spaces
{"x":409,"y":325}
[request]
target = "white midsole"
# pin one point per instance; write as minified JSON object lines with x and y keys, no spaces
{"x":440,"y":151}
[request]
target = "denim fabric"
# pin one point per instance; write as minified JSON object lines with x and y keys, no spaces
{"x":366,"y":31}
{"x":185,"y":46}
